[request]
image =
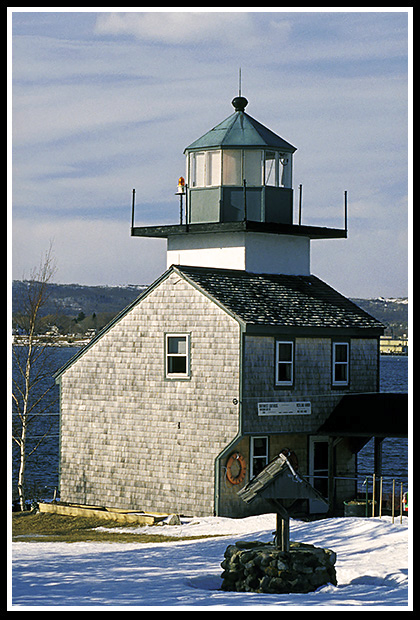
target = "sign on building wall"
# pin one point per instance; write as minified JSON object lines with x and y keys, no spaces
{"x":291,"y":408}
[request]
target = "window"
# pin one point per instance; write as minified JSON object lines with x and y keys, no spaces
{"x":232,"y":167}
{"x":177,"y":353}
{"x":205,"y":168}
{"x":214,"y":168}
{"x":340,"y":363}
{"x":259,"y":454}
{"x":284,"y":363}
{"x":253,"y":168}
{"x":271,"y":168}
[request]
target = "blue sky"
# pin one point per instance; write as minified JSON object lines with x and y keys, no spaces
{"x":104,"y":102}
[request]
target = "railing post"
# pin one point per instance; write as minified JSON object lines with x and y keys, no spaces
{"x":245,"y":213}
{"x":393,"y":500}
{"x":345,"y":210}
{"x":132,"y":208}
{"x":380,"y":498}
{"x":401,"y":502}
{"x":300,"y":204}
{"x":373,"y":496}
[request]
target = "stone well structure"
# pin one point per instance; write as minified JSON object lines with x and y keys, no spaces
{"x":263,"y":567}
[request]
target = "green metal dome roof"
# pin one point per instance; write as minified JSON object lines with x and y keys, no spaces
{"x":240,"y":130}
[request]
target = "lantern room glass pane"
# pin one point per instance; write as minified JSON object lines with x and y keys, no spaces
{"x":232,"y":167}
{"x":199,"y":176}
{"x":253,"y":167}
{"x":270,"y":168}
{"x":214,"y":168}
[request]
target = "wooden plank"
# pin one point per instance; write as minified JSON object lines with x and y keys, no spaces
{"x":120,"y":517}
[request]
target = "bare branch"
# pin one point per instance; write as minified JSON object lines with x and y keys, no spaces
{"x":31,"y":366}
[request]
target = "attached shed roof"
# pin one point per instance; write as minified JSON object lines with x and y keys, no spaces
{"x":380,"y":414}
{"x":280,"y":301}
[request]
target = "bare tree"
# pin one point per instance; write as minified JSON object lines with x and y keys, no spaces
{"x":31,"y":392}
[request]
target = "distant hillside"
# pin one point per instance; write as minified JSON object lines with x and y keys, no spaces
{"x":392,"y":312}
{"x":72,"y":299}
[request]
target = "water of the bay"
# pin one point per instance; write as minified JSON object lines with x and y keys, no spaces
{"x":42,"y":472}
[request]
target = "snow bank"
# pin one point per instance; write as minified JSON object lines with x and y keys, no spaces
{"x":372,"y":568}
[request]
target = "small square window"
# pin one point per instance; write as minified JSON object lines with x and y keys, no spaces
{"x":284,"y":363}
{"x":259,"y":455}
{"x":340,"y":365}
{"x":177,"y":353}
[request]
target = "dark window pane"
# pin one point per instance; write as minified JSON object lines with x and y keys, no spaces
{"x":341,"y":353}
{"x":340,"y":372}
{"x":284,"y":372}
{"x":177,"y":365}
{"x":285,"y":351}
{"x":177,"y":344}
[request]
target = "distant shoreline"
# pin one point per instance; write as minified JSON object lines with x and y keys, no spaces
{"x":61,"y":341}
{"x":22,"y":341}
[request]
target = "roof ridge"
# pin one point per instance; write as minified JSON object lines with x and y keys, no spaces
{"x":229,"y":130}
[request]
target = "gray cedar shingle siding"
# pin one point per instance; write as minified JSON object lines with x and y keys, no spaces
{"x":312,"y":381}
{"x":129,"y":437}
{"x":132,"y":439}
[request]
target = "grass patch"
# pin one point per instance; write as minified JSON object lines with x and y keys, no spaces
{"x":49,"y":527}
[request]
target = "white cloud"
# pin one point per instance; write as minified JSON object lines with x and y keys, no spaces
{"x":187,"y":28}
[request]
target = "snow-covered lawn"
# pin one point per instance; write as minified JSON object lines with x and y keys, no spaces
{"x":372,"y":567}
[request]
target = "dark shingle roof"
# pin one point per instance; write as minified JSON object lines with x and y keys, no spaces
{"x":280,"y":300}
{"x":266,"y":301}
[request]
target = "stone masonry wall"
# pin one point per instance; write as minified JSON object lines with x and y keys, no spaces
{"x":262,"y":567}
{"x":131,"y":438}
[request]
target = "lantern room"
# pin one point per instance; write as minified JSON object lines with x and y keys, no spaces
{"x":236,"y":203}
{"x":240,"y":170}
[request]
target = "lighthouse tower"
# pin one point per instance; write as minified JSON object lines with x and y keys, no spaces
{"x":238,"y":210}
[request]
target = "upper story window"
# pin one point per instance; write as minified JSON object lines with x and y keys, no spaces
{"x":284,"y":362}
{"x":177,"y":356}
{"x":340,"y":363}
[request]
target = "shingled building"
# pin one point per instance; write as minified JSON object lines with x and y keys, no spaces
{"x":234,"y":355}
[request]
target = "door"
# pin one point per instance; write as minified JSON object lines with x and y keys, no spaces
{"x":318,"y":471}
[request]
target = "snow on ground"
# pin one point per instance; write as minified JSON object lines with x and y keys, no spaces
{"x":372,"y":568}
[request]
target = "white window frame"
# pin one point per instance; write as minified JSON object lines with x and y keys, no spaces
{"x":274,"y":169}
{"x":186,"y":355}
{"x":263,"y":458}
{"x":209,"y":168}
{"x":291,"y":363}
{"x":230,"y":179}
{"x":336,"y":363}
{"x":214,"y":168}
{"x":252,"y":166}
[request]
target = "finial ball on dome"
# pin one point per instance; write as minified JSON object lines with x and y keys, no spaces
{"x":239,"y":103}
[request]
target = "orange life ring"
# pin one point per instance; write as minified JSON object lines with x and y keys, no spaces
{"x":236,"y":468}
